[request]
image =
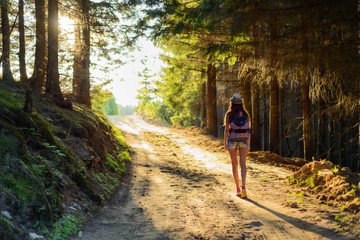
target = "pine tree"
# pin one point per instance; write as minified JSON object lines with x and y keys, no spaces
{"x":52,"y":80}
{"x":37,"y":79}
{"x":81,"y":79}
{"x":5,"y":58}
{"x":22,"y":62}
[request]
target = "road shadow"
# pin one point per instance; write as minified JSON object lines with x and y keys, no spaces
{"x":298,"y":223}
{"x":121,"y":217}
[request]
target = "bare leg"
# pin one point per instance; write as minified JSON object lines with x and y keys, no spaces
{"x":234,"y":162}
{"x":243,"y":153}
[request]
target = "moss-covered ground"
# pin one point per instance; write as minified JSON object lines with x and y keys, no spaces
{"x":56,"y":166}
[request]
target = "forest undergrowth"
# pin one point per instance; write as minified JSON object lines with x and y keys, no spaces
{"x":57,"y":166}
{"x":330,"y":184}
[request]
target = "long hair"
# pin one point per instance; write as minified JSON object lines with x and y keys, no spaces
{"x":234,"y":110}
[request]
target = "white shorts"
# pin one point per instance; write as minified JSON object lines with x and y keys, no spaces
{"x":232,"y":144}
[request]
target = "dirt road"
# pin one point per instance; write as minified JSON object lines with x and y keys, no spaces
{"x":179,"y":186}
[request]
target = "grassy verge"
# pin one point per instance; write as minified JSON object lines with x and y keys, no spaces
{"x":56,"y":166}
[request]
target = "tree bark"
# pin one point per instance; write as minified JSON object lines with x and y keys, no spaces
{"x":52,"y":80}
{"x":37,"y":79}
{"x":212,"y":112}
{"x":5,"y":27}
{"x":203,"y":100}
{"x":265,"y":114}
{"x":255,"y":120}
{"x":22,"y":62}
{"x":274,"y":116}
{"x":274,"y":91}
{"x":335,"y":134}
{"x":81,"y":81}
{"x":306,"y":111}
{"x":322,"y":131}
{"x":86,"y":62}
{"x":305,"y":99}
{"x":77,"y":70}
{"x":358,"y":88}
{"x":246,"y":94}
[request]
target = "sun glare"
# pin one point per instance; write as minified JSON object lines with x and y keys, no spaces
{"x":66,"y":24}
{"x":126,"y":78}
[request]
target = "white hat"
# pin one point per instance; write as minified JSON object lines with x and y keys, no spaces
{"x":236,"y":98}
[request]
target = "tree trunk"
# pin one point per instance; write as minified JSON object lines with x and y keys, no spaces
{"x":305,"y":99}
{"x":77,"y":71}
{"x":322,"y":131}
{"x":306,"y":110}
{"x":255,"y":120}
{"x":203,"y":100}
{"x":212,"y":112}
{"x":5,"y":27}
{"x":52,"y":80}
{"x":358,"y":146}
{"x":22,"y":62}
{"x":282,"y":119}
{"x":274,"y":91}
{"x":246,"y":94}
{"x":37,"y":79}
{"x":81,"y":81}
{"x":274,"y":116}
{"x":335,"y":134}
{"x":86,"y":52}
{"x":265,"y":114}
{"x":28,"y":106}
{"x":358,"y":87}
{"x":343,"y":143}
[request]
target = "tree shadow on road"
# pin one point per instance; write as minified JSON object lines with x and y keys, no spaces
{"x":298,"y":223}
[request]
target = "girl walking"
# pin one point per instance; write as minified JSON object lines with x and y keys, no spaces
{"x":237,"y":139}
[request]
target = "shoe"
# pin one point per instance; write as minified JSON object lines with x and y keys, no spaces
{"x":238,"y":194}
{"x":243,"y":194}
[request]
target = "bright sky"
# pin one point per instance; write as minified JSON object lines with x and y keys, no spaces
{"x":125,"y":79}
{"x":126,"y":85}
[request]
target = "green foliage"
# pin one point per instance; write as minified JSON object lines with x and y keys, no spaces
{"x":175,"y":97}
{"x":310,"y":182}
{"x":307,"y":182}
{"x":65,"y":227}
{"x":150,"y":105}
{"x":54,"y":149}
{"x":125,"y":156}
{"x":342,"y":219}
{"x":99,"y":97}
{"x":155,"y":110}
{"x":291,"y":179}
{"x":127,"y":110}
{"x":335,"y":170}
{"x":115,"y":164}
{"x":10,"y":100}
{"x":111,"y":107}
{"x":180,"y":91}
{"x":38,"y":157}
{"x":18,"y":185}
{"x":119,"y":137}
{"x":6,"y":230}
{"x":107,"y":183}
{"x":8,"y":144}
{"x":356,"y":189}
